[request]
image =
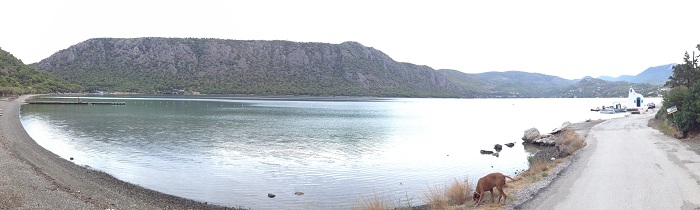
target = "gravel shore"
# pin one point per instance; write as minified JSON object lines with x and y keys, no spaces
{"x":35,"y":178}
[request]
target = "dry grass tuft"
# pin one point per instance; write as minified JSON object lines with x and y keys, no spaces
{"x":458,"y":192}
{"x":538,"y":166}
{"x":572,"y":141}
{"x":374,"y":203}
{"x":666,"y":127}
{"x":436,"y":198}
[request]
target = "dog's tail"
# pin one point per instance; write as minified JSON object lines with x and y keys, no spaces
{"x":511,"y":178}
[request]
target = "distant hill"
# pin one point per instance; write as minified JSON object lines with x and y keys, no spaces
{"x":507,"y":84}
{"x":18,"y":78}
{"x":657,"y":75}
{"x":598,"y":88}
{"x":152,"y":65}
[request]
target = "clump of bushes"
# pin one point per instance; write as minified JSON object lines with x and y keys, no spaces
{"x":684,"y":95}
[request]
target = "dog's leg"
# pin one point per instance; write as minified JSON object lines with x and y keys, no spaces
{"x":500,"y":189}
{"x":481,"y":196}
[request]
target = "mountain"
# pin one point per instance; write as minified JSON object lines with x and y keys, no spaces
{"x":18,"y":78}
{"x":507,"y":84}
{"x":598,"y":88}
{"x":657,"y":75}
{"x":177,"y":65}
{"x":154,"y":65}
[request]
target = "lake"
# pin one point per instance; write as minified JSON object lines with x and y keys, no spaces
{"x":233,"y":151}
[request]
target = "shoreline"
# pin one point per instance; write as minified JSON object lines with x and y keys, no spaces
{"x":35,"y":178}
{"x":48,"y":181}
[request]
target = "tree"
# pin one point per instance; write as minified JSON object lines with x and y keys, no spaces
{"x":685,"y":94}
{"x":687,"y":73}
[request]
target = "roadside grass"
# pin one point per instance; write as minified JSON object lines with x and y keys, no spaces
{"x":666,"y":127}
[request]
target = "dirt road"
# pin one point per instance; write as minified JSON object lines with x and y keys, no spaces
{"x":626,"y":165}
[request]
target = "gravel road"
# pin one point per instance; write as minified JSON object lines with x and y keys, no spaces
{"x":626,"y":165}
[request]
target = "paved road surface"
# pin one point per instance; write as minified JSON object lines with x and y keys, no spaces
{"x":626,"y":165}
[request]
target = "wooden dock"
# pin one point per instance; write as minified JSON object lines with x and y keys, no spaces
{"x":76,"y":103}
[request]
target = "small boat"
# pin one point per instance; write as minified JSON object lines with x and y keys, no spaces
{"x":597,"y":109}
{"x":608,"y":110}
{"x":617,"y":107}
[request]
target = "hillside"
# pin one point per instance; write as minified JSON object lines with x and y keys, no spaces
{"x":18,"y":78}
{"x":598,"y":88}
{"x":657,"y":75}
{"x":507,"y":84}
{"x":212,"y":66}
{"x":162,"y":65}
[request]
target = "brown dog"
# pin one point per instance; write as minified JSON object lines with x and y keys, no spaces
{"x":487,"y":183}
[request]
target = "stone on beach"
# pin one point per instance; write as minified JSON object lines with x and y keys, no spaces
{"x":530,"y":135}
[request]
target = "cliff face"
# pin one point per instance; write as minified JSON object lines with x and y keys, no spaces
{"x":243,"y":67}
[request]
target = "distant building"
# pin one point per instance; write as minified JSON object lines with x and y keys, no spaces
{"x":634,"y":100}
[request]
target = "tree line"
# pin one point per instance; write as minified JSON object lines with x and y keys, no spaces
{"x":684,"y":95}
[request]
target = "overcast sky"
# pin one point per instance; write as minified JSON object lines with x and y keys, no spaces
{"x":560,"y":38}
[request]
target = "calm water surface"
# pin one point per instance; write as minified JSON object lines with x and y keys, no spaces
{"x":233,"y":151}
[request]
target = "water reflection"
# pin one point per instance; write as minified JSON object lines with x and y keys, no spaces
{"x":233,"y":151}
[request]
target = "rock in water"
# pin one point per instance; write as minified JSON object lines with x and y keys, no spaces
{"x":531,"y":134}
{"x":486,"y":152}
{"x":498,"y":147}
{"x":270,"y":195}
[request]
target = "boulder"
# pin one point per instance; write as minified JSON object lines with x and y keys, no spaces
{"x":559,"y":129}
{"x":546,"y":141}
{"x":531,"y":134}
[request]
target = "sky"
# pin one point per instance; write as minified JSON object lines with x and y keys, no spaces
{"x":569,"y":39}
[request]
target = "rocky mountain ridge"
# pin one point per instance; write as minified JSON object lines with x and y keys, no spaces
{"x":216,"y":66}
{"x":243,"y":67}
